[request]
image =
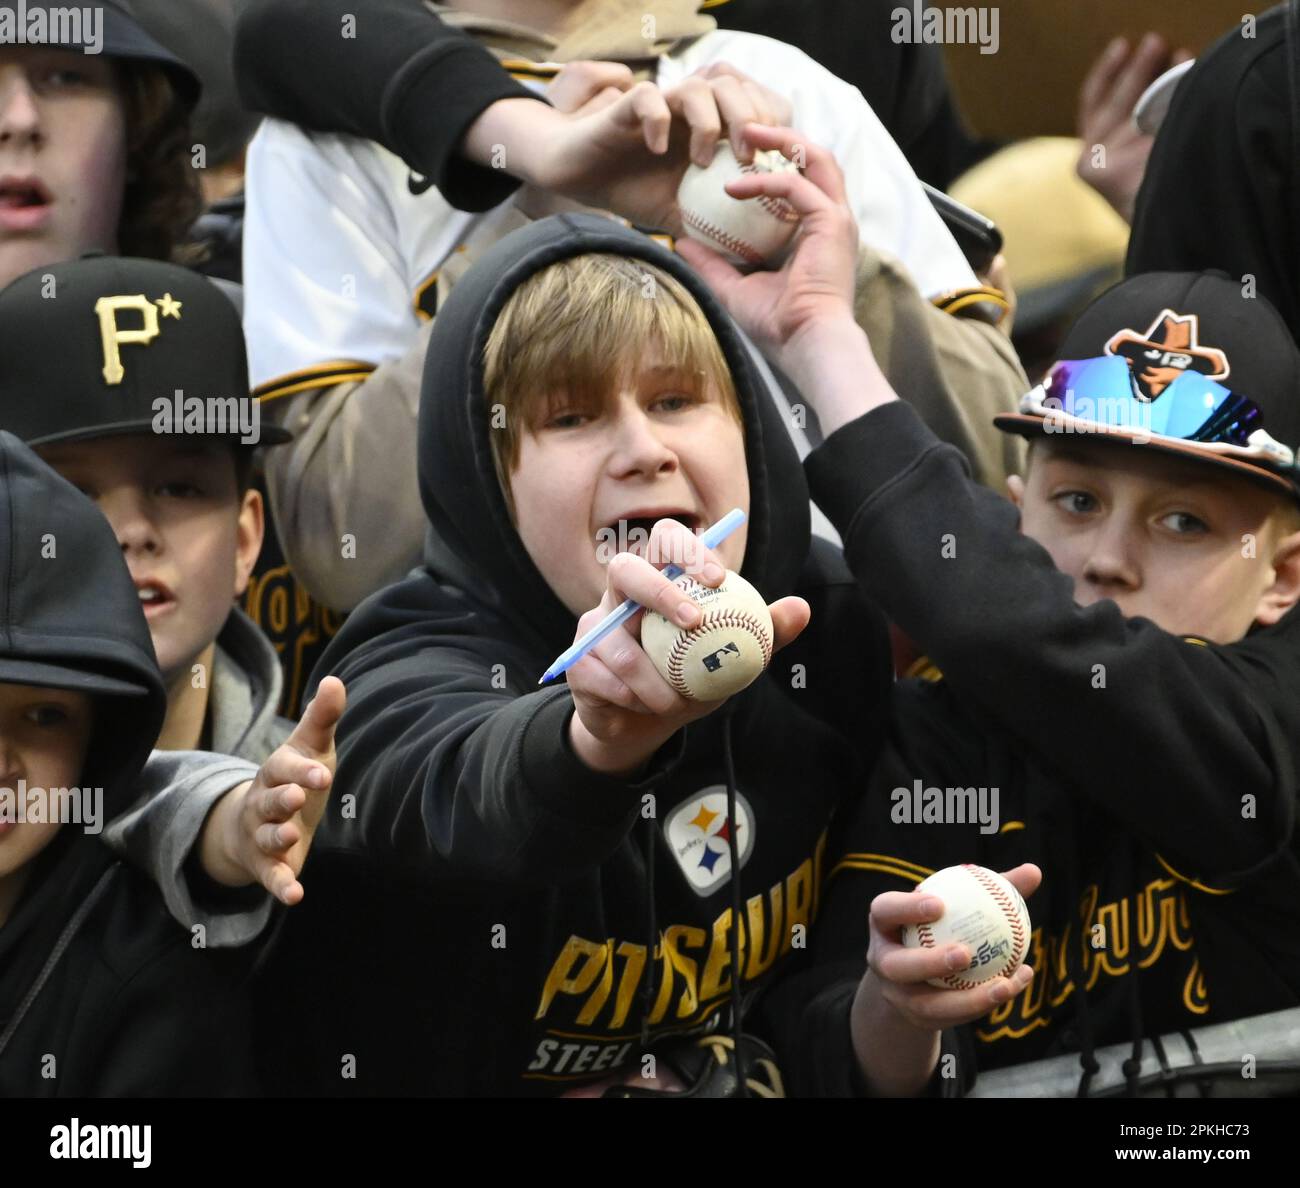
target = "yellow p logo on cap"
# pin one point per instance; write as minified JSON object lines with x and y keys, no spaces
{"x":113,"y":336}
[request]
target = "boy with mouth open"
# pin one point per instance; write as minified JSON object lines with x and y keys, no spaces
{"x":537,"y":889}
{"x":94,"y":147}
{"x":94,"y":391}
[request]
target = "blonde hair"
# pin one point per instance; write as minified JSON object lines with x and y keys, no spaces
{"x":574,"y":330}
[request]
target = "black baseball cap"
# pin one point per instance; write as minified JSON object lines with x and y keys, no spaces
{"x":1158,"y":325}
{"x":100,"y":346}
{"x":119,"y":36}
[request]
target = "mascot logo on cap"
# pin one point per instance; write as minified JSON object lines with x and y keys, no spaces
{"x":113,"y":336}
{"x":1167,"y":349}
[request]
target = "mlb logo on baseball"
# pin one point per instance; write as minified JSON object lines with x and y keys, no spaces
{"x":698,"y":832}
{"x":727,"y":651}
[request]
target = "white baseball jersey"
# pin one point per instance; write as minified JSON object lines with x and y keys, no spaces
{"x":341,"y":259}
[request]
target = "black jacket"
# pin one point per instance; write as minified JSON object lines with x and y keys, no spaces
{"x":1153,"y":778}
{"x":480,"y":913}
{"x":125,"y":1004}
{"x":1220,"y":189}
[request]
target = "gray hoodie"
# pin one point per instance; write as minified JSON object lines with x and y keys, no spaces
{"x":246,"y":682}
{"x":180,"y":788}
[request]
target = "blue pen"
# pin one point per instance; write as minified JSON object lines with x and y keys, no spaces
{"x":712,"y":537}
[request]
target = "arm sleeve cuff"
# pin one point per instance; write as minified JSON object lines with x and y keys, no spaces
{"x":430,"y":105}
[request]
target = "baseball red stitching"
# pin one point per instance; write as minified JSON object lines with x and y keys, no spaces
{"x":713,"y":621}
{"x":778,"y":208}
{"x":739,"y":246}
{"x":1009,"y":910}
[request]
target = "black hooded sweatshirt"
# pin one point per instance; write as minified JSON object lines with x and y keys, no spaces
{"x":101,"y":993}
{"x":482,"y":905}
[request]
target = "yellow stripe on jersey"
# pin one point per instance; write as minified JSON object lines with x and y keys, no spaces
{"x":319,"y":375}
{"x":522,"y":70}
{"x":960,"y":299}
{"x":425,"y":299}
{"x":909,"y":872}
{"x":1182,"y":878}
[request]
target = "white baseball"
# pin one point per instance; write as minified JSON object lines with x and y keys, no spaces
{"x":746,"y":231}
{"x":982,"y":911}
{"x":727,"y":651}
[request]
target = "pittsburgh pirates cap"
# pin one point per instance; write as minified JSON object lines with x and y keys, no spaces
{"x":77,"y":27}
{"x":109,"y":345}
{"x":1165,"y":323}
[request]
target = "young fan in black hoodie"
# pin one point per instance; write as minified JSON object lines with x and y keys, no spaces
{"x":1117,"y":669}
{"x":489,"y":911}
{"x":101,"y":992}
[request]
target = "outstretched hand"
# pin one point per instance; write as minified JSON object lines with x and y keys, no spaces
{"x":261,"y":830}
{"x":1112,"y":87}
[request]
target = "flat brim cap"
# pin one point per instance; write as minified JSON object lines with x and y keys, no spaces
{"x":119,"y":36}
{"x":1235,"y":339}
{"x":101,"y":347}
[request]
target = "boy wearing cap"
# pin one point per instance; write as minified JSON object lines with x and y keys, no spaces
{"x":141,"y":400}
{"x":1114,"y":692}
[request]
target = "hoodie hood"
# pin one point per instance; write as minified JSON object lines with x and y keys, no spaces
{"x":246,"y":685}
{"x":70,"y":618}
{"x":472,"y":543}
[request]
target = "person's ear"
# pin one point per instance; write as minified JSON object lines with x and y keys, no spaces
{"x":1284,"y":592}
{"x":1016,"y":490}
{"x":248,"y":542}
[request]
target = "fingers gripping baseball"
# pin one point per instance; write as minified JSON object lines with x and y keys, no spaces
{"x":944,"y":983}
{"x":625,"y":697}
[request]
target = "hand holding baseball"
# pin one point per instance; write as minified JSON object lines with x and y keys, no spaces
{"x":625,"y":710}
{"x":816,"y":282}
{"x":612,"y":143}
{"x":897,"y":1013}
{"x":802,"y":316}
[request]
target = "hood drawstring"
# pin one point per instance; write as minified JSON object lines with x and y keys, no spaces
{"x":737,"y":901}
{"x":1077,"y":967}
{"x":1132,"y":1067}
{"x":650,"y":987}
